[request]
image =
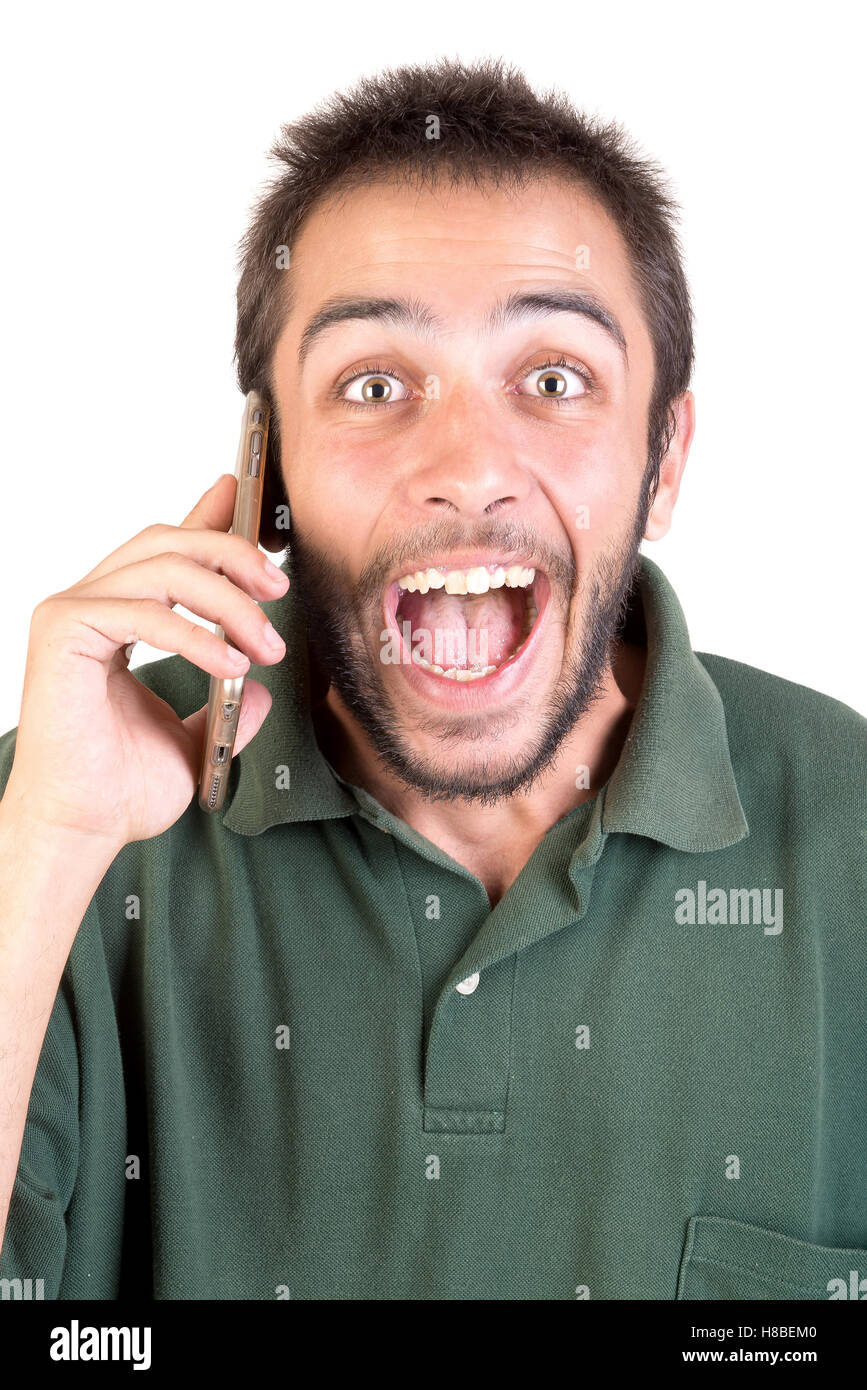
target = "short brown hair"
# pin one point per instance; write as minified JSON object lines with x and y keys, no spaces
{"x":491,"y":125}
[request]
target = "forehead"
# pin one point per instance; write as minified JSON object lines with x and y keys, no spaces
{"x":461,"y":247}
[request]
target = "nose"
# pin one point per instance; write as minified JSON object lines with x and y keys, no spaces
{"x":467,"y":463}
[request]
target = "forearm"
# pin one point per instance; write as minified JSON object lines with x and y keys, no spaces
{"x":47,"y":879}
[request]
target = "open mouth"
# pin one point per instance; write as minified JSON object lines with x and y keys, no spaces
{"x":467,"y":624}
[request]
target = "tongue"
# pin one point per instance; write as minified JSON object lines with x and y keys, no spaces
{"x":464,"y":631}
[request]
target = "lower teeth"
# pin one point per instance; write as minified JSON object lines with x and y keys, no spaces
{"x":453,"y":673}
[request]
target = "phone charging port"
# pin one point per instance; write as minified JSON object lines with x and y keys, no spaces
{"x":221,"y":754}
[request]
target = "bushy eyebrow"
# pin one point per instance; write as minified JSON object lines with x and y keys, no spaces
{"x":404,"y":313}
{"x":410,"y":313}
{"x":539,"y":303}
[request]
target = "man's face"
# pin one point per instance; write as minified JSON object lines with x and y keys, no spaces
{"x":454,"y":421}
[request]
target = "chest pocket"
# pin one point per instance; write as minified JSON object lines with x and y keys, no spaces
{"x":725,"y":1259}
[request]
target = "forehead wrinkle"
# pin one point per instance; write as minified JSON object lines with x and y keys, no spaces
{"x":554,"y":262}
{"x":487,"y":243}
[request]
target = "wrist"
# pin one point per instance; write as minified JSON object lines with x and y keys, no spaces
{"x":32,"y":831}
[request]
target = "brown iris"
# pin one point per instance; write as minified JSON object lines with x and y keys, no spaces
{"x":552,"y":383}
{"x":376,"y":388}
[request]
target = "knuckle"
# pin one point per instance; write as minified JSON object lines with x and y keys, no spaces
{"x":229,"y":591}
{"x":204,"y":642}
{"x":156,"y":531}
{"x":147,"y":607}
{"x":188,"y":636}
{"x":45,"y":611}
{"x":243,"y":548}
{"x":174,"y":558}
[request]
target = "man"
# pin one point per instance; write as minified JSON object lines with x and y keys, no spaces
{"x":527,"y":958}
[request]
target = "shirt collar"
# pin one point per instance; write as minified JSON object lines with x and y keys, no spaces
{"x":282,"y":775}
{"x":673,"y":782}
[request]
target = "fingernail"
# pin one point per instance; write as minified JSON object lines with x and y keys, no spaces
{"x":274,"y":571}
{"x":237,"y":658}
{"x":272,"y":636}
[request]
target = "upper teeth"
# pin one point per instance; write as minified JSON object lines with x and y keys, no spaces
{"x":476,"y":580}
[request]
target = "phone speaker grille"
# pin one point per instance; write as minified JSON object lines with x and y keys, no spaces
{"x":212,"y":794}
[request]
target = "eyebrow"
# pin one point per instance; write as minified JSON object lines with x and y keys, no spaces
{"x":410,"y":313}
{"x":404,"y":313}
{"x":540,"y":303}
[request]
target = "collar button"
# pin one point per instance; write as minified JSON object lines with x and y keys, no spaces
{"x":469,"y":985}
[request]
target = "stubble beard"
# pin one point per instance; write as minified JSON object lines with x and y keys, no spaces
{"x":338,"y":613}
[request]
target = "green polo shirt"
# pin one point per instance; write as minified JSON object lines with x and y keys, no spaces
{"x":295,"y":1054}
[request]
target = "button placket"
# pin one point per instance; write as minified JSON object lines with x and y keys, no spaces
{"x":467,"y":1067}
{"x":468,"y":1060}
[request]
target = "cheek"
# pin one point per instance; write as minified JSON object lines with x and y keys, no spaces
{"x":594,"y":484}
{"x":335,"y":489}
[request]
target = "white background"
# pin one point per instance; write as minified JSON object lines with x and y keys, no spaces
{"x":135,"y":140}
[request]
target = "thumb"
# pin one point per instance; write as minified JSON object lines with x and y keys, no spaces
{"x":255,"y":704}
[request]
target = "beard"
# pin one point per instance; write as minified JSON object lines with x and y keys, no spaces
{"x":344,"y":621}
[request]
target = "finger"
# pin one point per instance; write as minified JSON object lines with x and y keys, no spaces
{"x":215,"y":508}
{"x":97,"y":628}
{"x":173,"y":578}
{"x":255,"y":704}
{"x":242,"y":561}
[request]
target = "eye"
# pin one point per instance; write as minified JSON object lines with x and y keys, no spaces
{"x":556,"y":381}
{"x":374,"y":388}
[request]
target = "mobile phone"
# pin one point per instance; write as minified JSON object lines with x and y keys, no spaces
{"x":224,"y":696}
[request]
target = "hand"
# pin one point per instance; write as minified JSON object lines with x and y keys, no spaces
{"x":98,"y":754}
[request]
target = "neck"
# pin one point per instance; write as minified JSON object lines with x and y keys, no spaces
{"x":494,"y":842}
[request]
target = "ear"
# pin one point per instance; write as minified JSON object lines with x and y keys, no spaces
{"x":274,"y":526}
{"x":671,"y":469}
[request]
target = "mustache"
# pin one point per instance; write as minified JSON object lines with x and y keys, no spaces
{"x":443,"y":536}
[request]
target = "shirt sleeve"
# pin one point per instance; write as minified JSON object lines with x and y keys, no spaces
{"x":35,"y":1244}
{"x":64,"y":1229}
